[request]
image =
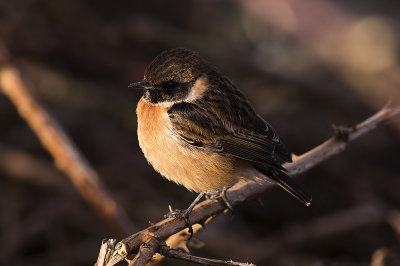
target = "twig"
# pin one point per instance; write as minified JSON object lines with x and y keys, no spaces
{"x":177,"y":254}
{"x":379,"y":256}
{"x":244,"y":191}
{"x":178,"y":240}
{"x":334,"y":145}
{"x":22,"y":166}
{"x":146,"y":252}
{"x":106,"y":252}
{"x":393,"y":219}
{"x":66,"y":156}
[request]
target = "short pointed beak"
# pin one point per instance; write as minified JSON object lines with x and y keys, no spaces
{"x":140,"y":85}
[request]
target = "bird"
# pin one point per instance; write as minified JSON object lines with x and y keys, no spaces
{"x":197,"y":129}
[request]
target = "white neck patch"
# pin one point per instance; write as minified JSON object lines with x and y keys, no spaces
{"x":198,"y":89}
{"x":164,"y":104}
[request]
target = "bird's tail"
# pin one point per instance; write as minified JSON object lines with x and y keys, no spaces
{"x":284,"y":181}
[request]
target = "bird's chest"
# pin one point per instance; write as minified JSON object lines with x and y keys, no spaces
{"x":160,"y":146}
{"x":154,"y":132}
{"x":195,"y":169}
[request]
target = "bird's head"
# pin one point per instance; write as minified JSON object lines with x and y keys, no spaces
{"x":175,"y":75}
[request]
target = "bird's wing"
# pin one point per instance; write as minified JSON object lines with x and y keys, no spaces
{"x":261,"y":146}
{"x":202,"y":128}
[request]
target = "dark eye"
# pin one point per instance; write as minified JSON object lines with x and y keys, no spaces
{"x":169,"y":85}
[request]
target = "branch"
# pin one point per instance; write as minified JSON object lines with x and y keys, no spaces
{"x":336,"y":145}
{"x":244,"y":191}
{"x":20,"y":165}
{"x":146,"y":252}
{"x":66,"y":155}
{"x":106,"y":253}
{"x":177,"y":254}
{"x":178,"y":240}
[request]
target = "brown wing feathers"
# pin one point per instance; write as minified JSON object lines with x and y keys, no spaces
{"x":239,"y":132}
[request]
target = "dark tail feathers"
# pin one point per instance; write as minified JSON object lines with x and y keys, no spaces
{"x":288,"y":184}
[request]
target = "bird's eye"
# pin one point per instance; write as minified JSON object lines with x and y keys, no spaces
{"x":169,"y":85}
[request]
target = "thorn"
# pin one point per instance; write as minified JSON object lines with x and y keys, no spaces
{"x":183,"y":245}
{"x":208,"y":220}
{"x":341,"y":132}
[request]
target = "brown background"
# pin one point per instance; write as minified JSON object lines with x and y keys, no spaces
{"x":303,"y":65}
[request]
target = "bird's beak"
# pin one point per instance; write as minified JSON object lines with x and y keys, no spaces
{"x":140,"y":85}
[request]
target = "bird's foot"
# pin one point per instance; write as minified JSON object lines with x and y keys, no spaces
{"x":184,"y":214}
{"x":179,"y":214}
{"x":222,"y":195}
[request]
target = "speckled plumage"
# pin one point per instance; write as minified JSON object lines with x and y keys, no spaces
{"x":197,"y":129}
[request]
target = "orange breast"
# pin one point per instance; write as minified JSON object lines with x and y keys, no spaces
{"x":196,"y":169}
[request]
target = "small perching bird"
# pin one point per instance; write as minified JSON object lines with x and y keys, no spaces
{"x":198,"y":130}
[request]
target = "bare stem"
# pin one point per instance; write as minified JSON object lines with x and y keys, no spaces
{"x":177,"y":254}
{"x":66,"y":155}
{"x":146,"y":252}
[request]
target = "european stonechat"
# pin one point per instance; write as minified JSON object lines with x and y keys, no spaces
{"x":197,"y":129}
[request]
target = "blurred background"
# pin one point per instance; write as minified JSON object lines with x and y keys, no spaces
{"x":304,"y":65}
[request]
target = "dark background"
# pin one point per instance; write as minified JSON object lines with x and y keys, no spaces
{"x":304,"y":66}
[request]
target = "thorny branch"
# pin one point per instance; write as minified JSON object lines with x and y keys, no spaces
{"x":244,"y":191}
{"x":66,"y":155}
{"x":146,"y":252}
{"x":177,"y":254}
